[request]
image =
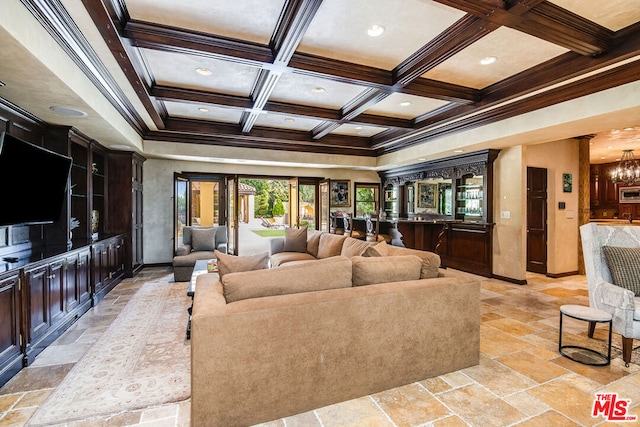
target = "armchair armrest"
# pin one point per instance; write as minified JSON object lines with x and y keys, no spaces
{"x":183,"y":250}
{"x":618,"y":302}
{"x":276,"y":245}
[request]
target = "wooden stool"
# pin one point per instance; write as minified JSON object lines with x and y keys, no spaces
{"x":591,"y":315}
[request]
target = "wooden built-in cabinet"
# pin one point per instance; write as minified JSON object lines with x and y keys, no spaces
{"x":11,"y":354}
{"x":451,"y":211}
{"x":603,"y":191}
{"x":108,"y":265}
{"x":51,"y":274}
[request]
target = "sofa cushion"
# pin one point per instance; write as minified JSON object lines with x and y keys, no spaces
{"x":232,"y":264}
{"x":286,"y":257}
{"x":305,"y":277}
{"x":330,"y":245}
{"x":624,"y":264}
{"x":373,"y":270}
{"x":377,"y":249}
{"x":430,"y":260}
{"x":295,"y":239}
{"x":313,"y":242}
{"x":203,"y":239}
{"x":354,"y":247}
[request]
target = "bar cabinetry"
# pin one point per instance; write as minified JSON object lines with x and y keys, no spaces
{"x":451,"y":212}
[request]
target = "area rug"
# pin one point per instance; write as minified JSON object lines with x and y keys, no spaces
{"x":141,"y":360}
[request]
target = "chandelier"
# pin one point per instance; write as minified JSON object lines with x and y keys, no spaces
{"x":628,"y":170}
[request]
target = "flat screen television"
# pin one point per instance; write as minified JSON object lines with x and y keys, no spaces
{"x":33,"y":182}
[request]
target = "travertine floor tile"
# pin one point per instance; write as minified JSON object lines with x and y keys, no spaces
{"x":566,"y":399}
{"x":539,"y":370}
{"x":361,"y":412}
{"x":498,"y":343}
{"x":498,"y":378}
{"x":549,"y":418}
{"x":479,"y":407}
{"x":410,"y":405}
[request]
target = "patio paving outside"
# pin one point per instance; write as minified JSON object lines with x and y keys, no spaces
{"x":250,"y":243}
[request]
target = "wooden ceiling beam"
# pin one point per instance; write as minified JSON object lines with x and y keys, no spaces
{"x":543,"y":20}
{"x":457,"y":37}
{"x":294,"y":20}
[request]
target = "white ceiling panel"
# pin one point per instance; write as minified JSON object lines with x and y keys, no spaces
{"x":229,"y":18}
{"x":203,"y":112}
{"x":612,"y":14}
{"x":179,"y":70}
{"x":339,"y":30}
{"x":283,"y":121}
{"x":404,"y":106}
{"x":514,"y":51}
{"x":351,"y":129}
{"x":306,"y":90}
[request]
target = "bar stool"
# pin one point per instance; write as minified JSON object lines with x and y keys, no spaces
{"x":591,"y":315}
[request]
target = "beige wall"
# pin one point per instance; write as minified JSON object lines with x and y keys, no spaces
{"x":510,"y":199}
{"x":509,"y":249}
{"x":562,"y":225}
{"x":158,"y":195}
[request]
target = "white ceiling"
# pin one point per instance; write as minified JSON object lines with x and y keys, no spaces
{"x":38,"y":74}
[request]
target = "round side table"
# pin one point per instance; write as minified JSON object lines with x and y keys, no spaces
{"x":591,"y":315}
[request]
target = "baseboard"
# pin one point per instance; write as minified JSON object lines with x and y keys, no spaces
{"x":510,"y":280}
{"x":559,"y":275}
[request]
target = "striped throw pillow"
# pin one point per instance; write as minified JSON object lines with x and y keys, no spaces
{"x":624,"y":264}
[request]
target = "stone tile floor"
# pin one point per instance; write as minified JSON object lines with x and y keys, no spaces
{"x":521,"y":379}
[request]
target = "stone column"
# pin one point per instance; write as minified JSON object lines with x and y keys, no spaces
{"x":584,"y":191}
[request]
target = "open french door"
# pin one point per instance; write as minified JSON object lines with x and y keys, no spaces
{"x":181,"y":205}
{"x":294,"y":203}
{"x":323,"y":205}
{"x":232,"y":213}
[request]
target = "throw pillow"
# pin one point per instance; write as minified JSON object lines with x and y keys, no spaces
{"x":430,"y":260}
{"x":295,"y":239}
{"x":203,"y":239}
{"x":373,"y":270}
{"x":379,"y":249}
{"x":233,"y":264}
{"x":330,"y":245}
{"x":354,"y":247}
{"x":304,"y":277}
{"x":624,"y":264}
{"x":313,"y":242}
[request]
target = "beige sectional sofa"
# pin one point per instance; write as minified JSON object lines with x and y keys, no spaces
{"x":275,"y":342}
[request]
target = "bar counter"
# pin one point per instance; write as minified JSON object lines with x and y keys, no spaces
{"x":463,"y":245}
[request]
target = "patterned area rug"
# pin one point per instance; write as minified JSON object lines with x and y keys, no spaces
{"x":141,"y":360}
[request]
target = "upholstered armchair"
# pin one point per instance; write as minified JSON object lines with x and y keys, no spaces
{"x":197,"y":243}
{"x":619,"y":301}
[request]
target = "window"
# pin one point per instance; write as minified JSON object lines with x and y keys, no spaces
{"x":367,"y":198}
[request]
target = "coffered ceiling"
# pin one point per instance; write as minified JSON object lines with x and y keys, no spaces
{"x":304,"y":75}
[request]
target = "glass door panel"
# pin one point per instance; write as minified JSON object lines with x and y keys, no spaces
{"x":294,"y":210}
{"x":232,"y":220}
{"x":308,"y":205}
{"x":324,"y":205}
{"x":181,"y":206}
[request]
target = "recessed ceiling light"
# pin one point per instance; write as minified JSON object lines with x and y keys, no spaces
{"x":203,"y":71}
{"x":289,"y":120}
{"x":318,"y":90}
{"x":67,"y":111}
{"x":358,"y":127}
{"x":488,"y":60}
{"x":458,"y":151}
{"x":405,"y":104}
{"x":204,"y":110}
{"x":375,"y":30}
{"x":422,"y":159}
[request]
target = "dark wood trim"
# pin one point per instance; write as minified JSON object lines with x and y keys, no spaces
{"x":509,"y":279}
{"x":52,"y":15}
{"x":559,"y":275}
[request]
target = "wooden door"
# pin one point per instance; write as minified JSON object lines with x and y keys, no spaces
{"x":537,"y":220}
